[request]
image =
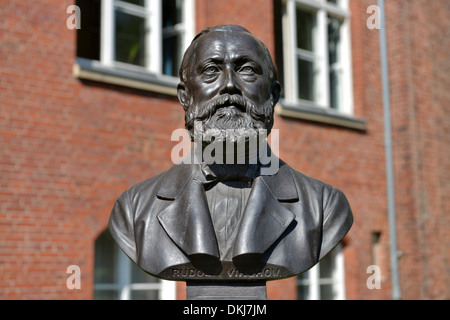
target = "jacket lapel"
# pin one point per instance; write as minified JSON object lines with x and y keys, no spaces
{"x":265,"y":219}
{"x":188,"y":223}
{"x":187,"y":220}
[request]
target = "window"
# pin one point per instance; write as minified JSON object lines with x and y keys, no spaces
{"x":316,"y":54}
{"x":141,"y":36}
{"x":117,"y":277}
{"x":325,"y":281}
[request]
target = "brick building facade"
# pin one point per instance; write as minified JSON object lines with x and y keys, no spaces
{"x":75,"y":134}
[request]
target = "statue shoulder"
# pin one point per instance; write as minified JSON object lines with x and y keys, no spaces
{"x":167,"y":181}
{"x":312,"y":185}
{"x":122,"y":219}
{"x":331,"y":204}
{"x":333,"y":199}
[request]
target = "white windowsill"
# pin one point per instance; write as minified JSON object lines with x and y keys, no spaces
{"x":320,"y":115}
{"x":94,"y":70}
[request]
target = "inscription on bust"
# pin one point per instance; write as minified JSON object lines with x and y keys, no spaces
{"x":228,"y":273}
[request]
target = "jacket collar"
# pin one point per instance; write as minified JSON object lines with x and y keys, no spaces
{"x":281,"y":185}
{"x":188,"y":223}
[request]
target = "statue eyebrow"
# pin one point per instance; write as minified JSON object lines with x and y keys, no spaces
{"x":243,"y":59}
{"x":239,"y":61}
{"x":214,"y":60}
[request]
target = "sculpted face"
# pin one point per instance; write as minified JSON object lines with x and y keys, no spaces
{"x":229,"y":85}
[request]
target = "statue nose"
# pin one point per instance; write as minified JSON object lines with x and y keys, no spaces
{"x":230,"y":85}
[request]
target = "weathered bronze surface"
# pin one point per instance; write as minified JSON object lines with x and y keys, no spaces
{"x":218,"y":222}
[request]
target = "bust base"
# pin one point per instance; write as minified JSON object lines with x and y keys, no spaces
{"x":197,"y":290}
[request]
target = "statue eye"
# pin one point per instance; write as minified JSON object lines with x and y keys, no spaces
{"x":247,"y":69}
{"x":210,"y":70}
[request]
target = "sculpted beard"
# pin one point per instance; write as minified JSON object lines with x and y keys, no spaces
{"x":218,"y":121}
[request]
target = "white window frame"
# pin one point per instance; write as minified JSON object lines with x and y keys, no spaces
{"x":337,"y":280}
{"x":124,"y":286}
{"x":152,"y":11}
{"x":292,"y":53}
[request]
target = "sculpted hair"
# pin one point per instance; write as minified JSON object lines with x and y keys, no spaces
{"x":189,"y":55}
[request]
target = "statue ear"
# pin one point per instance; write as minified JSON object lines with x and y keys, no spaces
{"x":276,"y":92}
{"x":183,"y":95}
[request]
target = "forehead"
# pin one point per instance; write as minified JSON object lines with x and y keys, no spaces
{"x":232,"y":45}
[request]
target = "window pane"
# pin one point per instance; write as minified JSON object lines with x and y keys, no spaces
{"x":88,"y":37}
{"x":334,"y":58}
{"x":139,"y":276}
{"x":144,"y":295}
{"x":306,"y":29}
{"x":172,"y":54}
{"x":302,"y":292}
{"x":105,"y":259}
{"x":137,"y":2}
{"x":336,"y":2}
{"x":334,"y":39}
{"x":173,"y":38}
{"x":172,"y":12}
{"x":326,"y":266}
{"x":130,"y":39}
{"x":326,"y":292}
{"x":335,"y":89}
{"x":114,"y":270}
{"x":306,"y":80}
{"x":106,"y":295}
{"x":303,"y":276}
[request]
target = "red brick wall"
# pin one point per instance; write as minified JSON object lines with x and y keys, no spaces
{"x":255,"y":15}
{"x":70,"y":147}
{"x":364,"y":174}
{"x":419,"y":74}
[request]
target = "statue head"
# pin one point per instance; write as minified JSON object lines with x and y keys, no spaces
{"x":228,"y":81}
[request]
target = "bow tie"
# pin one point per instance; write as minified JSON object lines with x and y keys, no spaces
{"x":223,"y":172}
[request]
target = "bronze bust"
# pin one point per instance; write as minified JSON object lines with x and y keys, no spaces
{"x":220,"y":221}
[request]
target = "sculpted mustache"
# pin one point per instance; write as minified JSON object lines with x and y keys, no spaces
{"x":240,"y":102}
{"x":207,"y":111}
{"x":202,"y":113}
{"x":225,"y":101}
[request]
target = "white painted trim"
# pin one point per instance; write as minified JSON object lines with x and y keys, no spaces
{"x":339,"y":10}
{"x":107,"y":32}
{"x":168,"y":290}
{"x":339,"y":274}
{"x":160,"y":84}
{"x":311,"y":112}
{"x":290,"y":45}
{"x":154,"y":43}
{"x":313,"y":281}
{"x":314,"y":284}
{"x":307,"y":55}
{"x":320,"y":57}
{"x":189,"y":22}
{"x":124,"y":276}
{"x":132,"y":9}
{"x":322,"y":91}
{"x":152,"y":12}
{"x":347,"y":77}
